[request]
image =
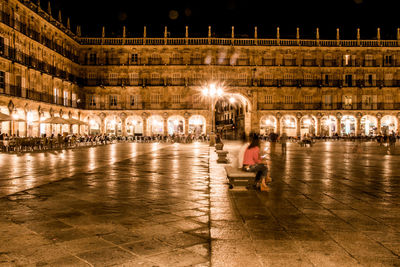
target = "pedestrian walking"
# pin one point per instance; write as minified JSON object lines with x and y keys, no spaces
{"x":283,"y":140}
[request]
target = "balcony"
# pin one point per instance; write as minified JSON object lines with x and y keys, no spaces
{"x":154,"y":61}
{"x":176,"y":61}
{"x":330,"y":63}
{"x":176,"y":81}
{"x":309,"y":62}
{"x":243,"y":62}
{"x":268,"y":62}
{"x":288,"y":62}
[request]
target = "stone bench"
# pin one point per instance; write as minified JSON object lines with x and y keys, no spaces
{"x":238,"y":177}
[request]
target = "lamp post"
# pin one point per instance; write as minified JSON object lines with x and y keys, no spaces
{"x":213,"y":92}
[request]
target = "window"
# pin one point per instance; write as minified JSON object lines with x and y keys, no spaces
{"x":388,"y":99}
{"x":155,"y":99}
{"x":113,"y":100}
{"x":65,"y":98}
{"x":133,"y":100}
{"x":349,"y":80}
{"x":288,"y":99}
{"x":370,"y":79}
{"x":348,"y":100}
{"x":55,"y":92}
{"x":92,"y":58}
{"x":92,"y":100}
{"x":308,"y":99}
{"x":176,"y":99}
{"x":134,"y":58}
{"x":1,"y":45}
{"x":346,"y":60}
{"x":2,"y":81}
{"x":268,"y":99}
{"x":326,"y":79}
{"x":197,"y":99}
{"x":327,"y":99}
{"x":388,"y":59}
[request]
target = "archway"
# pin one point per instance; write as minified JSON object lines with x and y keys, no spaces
{"x":288,"y":125}
{"x":348,"y":125}
{"x":113,"y":125}
{"x":5,"y":125}
{"x":388,"y":125}
{"x":134,"y":125}
{"x":176,"y":125}
{"x":369,"y":125}
{"x":328,"y":125}
{"x":268,"y":124}
{"x":308,"y":125}
{"x":93,"y":126}
{"x":155,"y":125}
{"x":197,"y":125}
{"x":232,"y":115}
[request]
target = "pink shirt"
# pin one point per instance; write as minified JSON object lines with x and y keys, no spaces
{"x":252,"y":156}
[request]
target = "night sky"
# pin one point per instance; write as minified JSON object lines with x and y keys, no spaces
{"x":222,"y":14}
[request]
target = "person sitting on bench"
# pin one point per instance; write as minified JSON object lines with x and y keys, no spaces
{"x":252,"y":162}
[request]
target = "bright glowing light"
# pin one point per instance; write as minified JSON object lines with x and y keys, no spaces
{"x":287,"y":122}
{"x":113,"y":122}
{"x":29,"y":118}
{"x":232,"y":100}
{"x":204,"y":91}
{"x":268,"y":122}
{"x":212,"y":90}
{"x":176,"y":122}
{"x":307,"y":122}
{"x":15,"y":116}
{"x":219,"y":92}
{"x":134,"y":122}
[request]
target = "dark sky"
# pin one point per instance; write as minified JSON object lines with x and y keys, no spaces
{"x":222,"y":14}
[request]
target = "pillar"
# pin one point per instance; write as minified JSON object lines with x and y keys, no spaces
{"x":144,"y":119}
{"x":378,"y":124}
{"x":186,"y":126}
{"x":358,"y":125}
{"x":165,"y":126}
{"x":278,"y":126}
{"x":338,"y":126}
{"x":298,"y":132}
{"x":102,"y":126}
{"x":318,"y":126}
{"x":398,"y":125}
{"x":39,"y":124}
{"x":123,"y":127}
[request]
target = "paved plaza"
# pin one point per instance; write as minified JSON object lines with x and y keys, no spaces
{"x":152,"y":204}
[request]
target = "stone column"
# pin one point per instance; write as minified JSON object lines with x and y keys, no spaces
{"x":278,"y":123}
{"x":144,"y":119}
{"x":102,"y":126}
{"x":358,"y":125}
{"x":318,"y":126}
{"x":298,"y":124}
{"x":186,"y":126}
{"x":38,"y":131}
{"x":123,"y":126}
{"x":165,"y":126}
{"x":378,"y":124}
{"x":338,"y":126}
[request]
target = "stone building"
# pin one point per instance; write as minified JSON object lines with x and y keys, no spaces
{"x":151,"y":86}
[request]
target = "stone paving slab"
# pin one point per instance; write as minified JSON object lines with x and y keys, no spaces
{"x":169,"y":205}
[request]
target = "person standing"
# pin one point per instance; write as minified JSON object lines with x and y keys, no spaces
{"x":283,"y":140}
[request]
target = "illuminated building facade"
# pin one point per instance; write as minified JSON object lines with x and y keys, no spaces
{"x":151,"y":86}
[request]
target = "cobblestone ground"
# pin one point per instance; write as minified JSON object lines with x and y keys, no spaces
{"x":169,"y":205}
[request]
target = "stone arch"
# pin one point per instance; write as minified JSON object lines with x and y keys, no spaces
{"x":308,"y":125}
{"x":268,"y":124}
{"x":155,"y":125}
{"x":134,"y":125}
{"x":113,"y":125}
{"x":176,"y":124}
{"x":348,"y":125}
{"x":389,"y":124}
{"x":289,"y":125}
{"x":197,"y":124}
{"x":93,"y":126}
{"x":368,"y":125}
{"x":328,"y":125}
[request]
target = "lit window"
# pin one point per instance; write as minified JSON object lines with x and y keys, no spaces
{"x":346,"y":60}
